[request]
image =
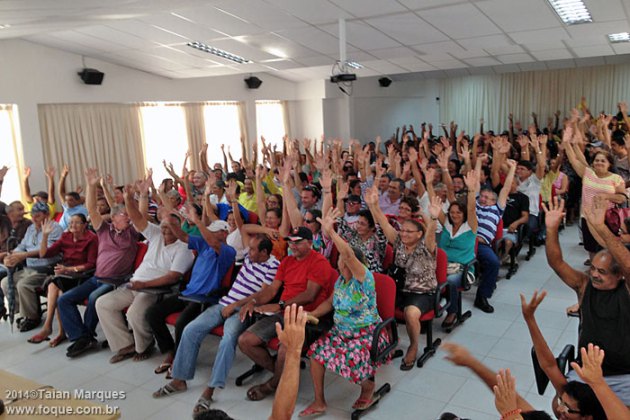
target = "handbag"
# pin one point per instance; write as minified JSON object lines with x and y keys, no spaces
{"x":615,"y":217}
{"x":467,"y":280}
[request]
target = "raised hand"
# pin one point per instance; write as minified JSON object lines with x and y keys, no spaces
{"x":27,"y":171}
{"x":505,"y":396}
{"x":3,"y":171}
{"x":91,"y":177}
{"x":65,"y":170}
{"x":371,"y":196}
{"x":529,"y":308}
{"x":47,"y":227}
{"x":292,"y":335}
{"x":554,"y":214}
{"x":413,"y":155}
{"x":457,"y":354}
{"x":230,"y":190}
{"x":328,"y":222}
{"x":429,"y":176}
{"x":596,"y":213}
{"x":591,"y":369}
{"x":471,"y":179}
{"x":325,"y":179}
{"x":435,"y":208}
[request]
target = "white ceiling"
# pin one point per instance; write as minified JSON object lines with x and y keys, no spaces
{"x":298,"y":39}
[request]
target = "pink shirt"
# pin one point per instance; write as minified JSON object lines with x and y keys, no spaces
{"x":116,"y":251}
{"x":593,"y":185}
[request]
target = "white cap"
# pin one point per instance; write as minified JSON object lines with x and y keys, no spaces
{"x":218,"y":226}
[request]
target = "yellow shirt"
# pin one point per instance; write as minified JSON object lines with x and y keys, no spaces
{"x":29,"y":206}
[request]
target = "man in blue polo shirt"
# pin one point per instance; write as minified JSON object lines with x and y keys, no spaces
{"x":214,"y":259}
{"x":489,"y":211}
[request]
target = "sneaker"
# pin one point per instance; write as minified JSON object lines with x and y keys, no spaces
{"x":82,"y":345}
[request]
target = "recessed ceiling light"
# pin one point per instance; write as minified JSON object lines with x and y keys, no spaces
{"x":218,"y":52}
{"x":571,"y":11}
{"x":620,"y":37}
{"x":354,"y":65}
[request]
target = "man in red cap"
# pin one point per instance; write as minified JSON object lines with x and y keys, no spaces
{"x":305,"y":275}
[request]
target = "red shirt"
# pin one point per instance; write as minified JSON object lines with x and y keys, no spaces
{"x":82,"y":252}
{"x":296,"y":274}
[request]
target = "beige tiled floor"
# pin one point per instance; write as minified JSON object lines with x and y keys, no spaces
{"x":499,"y":340}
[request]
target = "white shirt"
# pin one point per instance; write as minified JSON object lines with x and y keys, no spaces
{"x":531,"y":188}
{"x":161,"y":258}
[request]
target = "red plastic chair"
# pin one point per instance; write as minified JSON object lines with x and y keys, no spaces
{"x":426,"y":319}
{"x":388,"y":259}
{"x":252,"y":218}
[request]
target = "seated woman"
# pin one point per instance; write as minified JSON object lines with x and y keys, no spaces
{"x":79,"y":247}
{"x":414,"y":259}
{"x":345,"y":349}
{"x":458,"y":241}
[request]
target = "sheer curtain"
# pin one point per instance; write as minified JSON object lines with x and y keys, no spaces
{"x":225,"y":124}
{"x":196,"y":128}
{"x":11,"y":153}
{"x":272,"y":122}
{"x":493,"y":97}
{"x":106,"y":136}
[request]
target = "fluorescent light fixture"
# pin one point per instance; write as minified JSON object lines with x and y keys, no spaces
{"x":571,"y":11}
{"x":218,"y":52}
{"x":620,"y":37}
{"x":354,"y":65}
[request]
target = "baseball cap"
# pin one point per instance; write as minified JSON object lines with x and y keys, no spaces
{"x":218,"y":226}
{"x":300,"y":233}
{"x":40,"y":207}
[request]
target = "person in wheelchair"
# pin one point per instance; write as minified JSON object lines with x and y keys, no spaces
{"x":345,"y":348}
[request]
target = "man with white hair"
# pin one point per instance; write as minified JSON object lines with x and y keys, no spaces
{"x":166,"y":260}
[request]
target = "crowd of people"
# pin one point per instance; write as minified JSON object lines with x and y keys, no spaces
{"x":303,"y":231}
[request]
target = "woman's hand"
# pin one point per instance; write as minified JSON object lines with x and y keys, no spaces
{"x":529,"y":309}
{"x":435,"y":209}
{"x":505,"y":392}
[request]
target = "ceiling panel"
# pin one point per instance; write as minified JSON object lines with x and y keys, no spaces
{"x":147,"y":31}
{"x":277,"y":45}
{"x":319,"y":60}
{"x":407,"y":28}
{"x":540,"y":36}
{"x":385,"y":67}
{"x":280,"y":64}
{"x":264,"y":15}
{"x":482,"y":61}
{"x":219,"y":21}
{"x":514,"y":58}
{"x":312,"y":11}
{"x":515,"y":15}
{"x":533,"y":66}
{"x":428,"y":4}
{"x":183,"y":27}
{"x":112,"y":35}
{"x":386,"y":53}
{"x":509,"y":68}
{"x":362,"y":8}
{"x":460,"y":21}
{"x":590,"y":61}
{"x":447,"y":64}
{"x":362,"y":36}
{"x":560,"y":64}
{"x":605,"y":10}
{"x":504,"y":49}
{"x":244,"y":50}
{"x":596,"y":51}
{"x":486,"y":42}
{"x":621,"y":48}
{"x":315,"y":39}
{"x":555,"y":54}
{"x":73,"y":38}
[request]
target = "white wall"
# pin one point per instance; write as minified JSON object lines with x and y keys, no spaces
{"x":32,"y":74}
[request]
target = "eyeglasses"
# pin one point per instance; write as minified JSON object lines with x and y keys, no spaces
{"x":408,"y":231}
{"x":564,"y":406}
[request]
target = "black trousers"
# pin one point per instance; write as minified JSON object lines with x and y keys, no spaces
{"x":156,"y":317}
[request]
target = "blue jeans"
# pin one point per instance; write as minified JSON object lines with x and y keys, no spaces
{"x":489,"y":263}
{"x":68,"y":303}
{"x":192,"y":337}
{"x":3,"y":274}
{"x":454,"y":281}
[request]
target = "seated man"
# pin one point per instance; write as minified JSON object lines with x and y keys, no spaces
{"x":258,"y":271}
{"x":13,"y":227}
{"x":36,"y":269}
{"x":166,"y":260}
{"x":117,"y":248}
{"x":306,"y":279}
{"x":516,"y":214}
{"x":603,"y":293}
{"x":213,"y":261}
{"x":489,"y":210}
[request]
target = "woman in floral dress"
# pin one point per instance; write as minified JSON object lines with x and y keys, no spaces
{"x":345,"y":349}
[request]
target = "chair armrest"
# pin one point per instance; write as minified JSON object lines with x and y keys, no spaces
{"x":159,"y":291}
{"x":466,"y":269}
{"x":439,"y":291}
{"x":565,"y":358}
{"x":115,"y":281}
{"x":374,"y":353}
{"x":201,"y":299}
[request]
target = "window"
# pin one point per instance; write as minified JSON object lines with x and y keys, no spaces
{"x":10,"y":146}
{"x":165,"y":138}
{"x":223,"y":126}
{"x":271,"y":123}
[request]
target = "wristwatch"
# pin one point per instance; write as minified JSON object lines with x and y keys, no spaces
{"x":282,"y":304}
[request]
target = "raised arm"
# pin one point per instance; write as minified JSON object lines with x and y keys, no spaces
{"x":106,"y":183}
{"x":91,"y":181}
{"x":25,"y":182}
{"x":371,"y":198}
{"x":139,"y":222}
{"x":546,"y":358}
{"x":62,"y":183}
{"x":203,"y":159}
{"x":50,"y":179}
{"x":328,"y":225}
{"x":505,"y":191}
{"x":553,"y":217}
{"x":577,"y":164}
{"x":471,"y":179}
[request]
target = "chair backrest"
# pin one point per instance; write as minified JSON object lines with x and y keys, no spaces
{"x":385,"y":295}
{"x":388,"y":260}
{"x":334,"y":257}
{"x":226,"y":282}
{"x":142,"y":250}
{"x":499,"y":234}
{"x":57,"y":216}
{"x":441,"y":265}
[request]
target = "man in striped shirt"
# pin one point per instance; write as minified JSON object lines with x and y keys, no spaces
{"x":489,"y":212}
{"x":258,"y":271}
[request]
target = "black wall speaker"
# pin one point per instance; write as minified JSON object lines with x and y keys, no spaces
{"x":91,"y":76}
{"x":384,"y":81}
{"x":253,"y":82}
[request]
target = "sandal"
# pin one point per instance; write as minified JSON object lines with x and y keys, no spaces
{"x":139,"y":357}
{"x":162,"y":368}
{"x":311,"y":412}
{"x":38,"y":338}
{"x":259,"y":392}
{"x":167,"y":390}
{"x":363,"y":403}
{"x":169,"y":373}
{"x":202,"y":405}
{"x":119,"y":357}
{"x":57,"y":340}
{"x":404,"y":366}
